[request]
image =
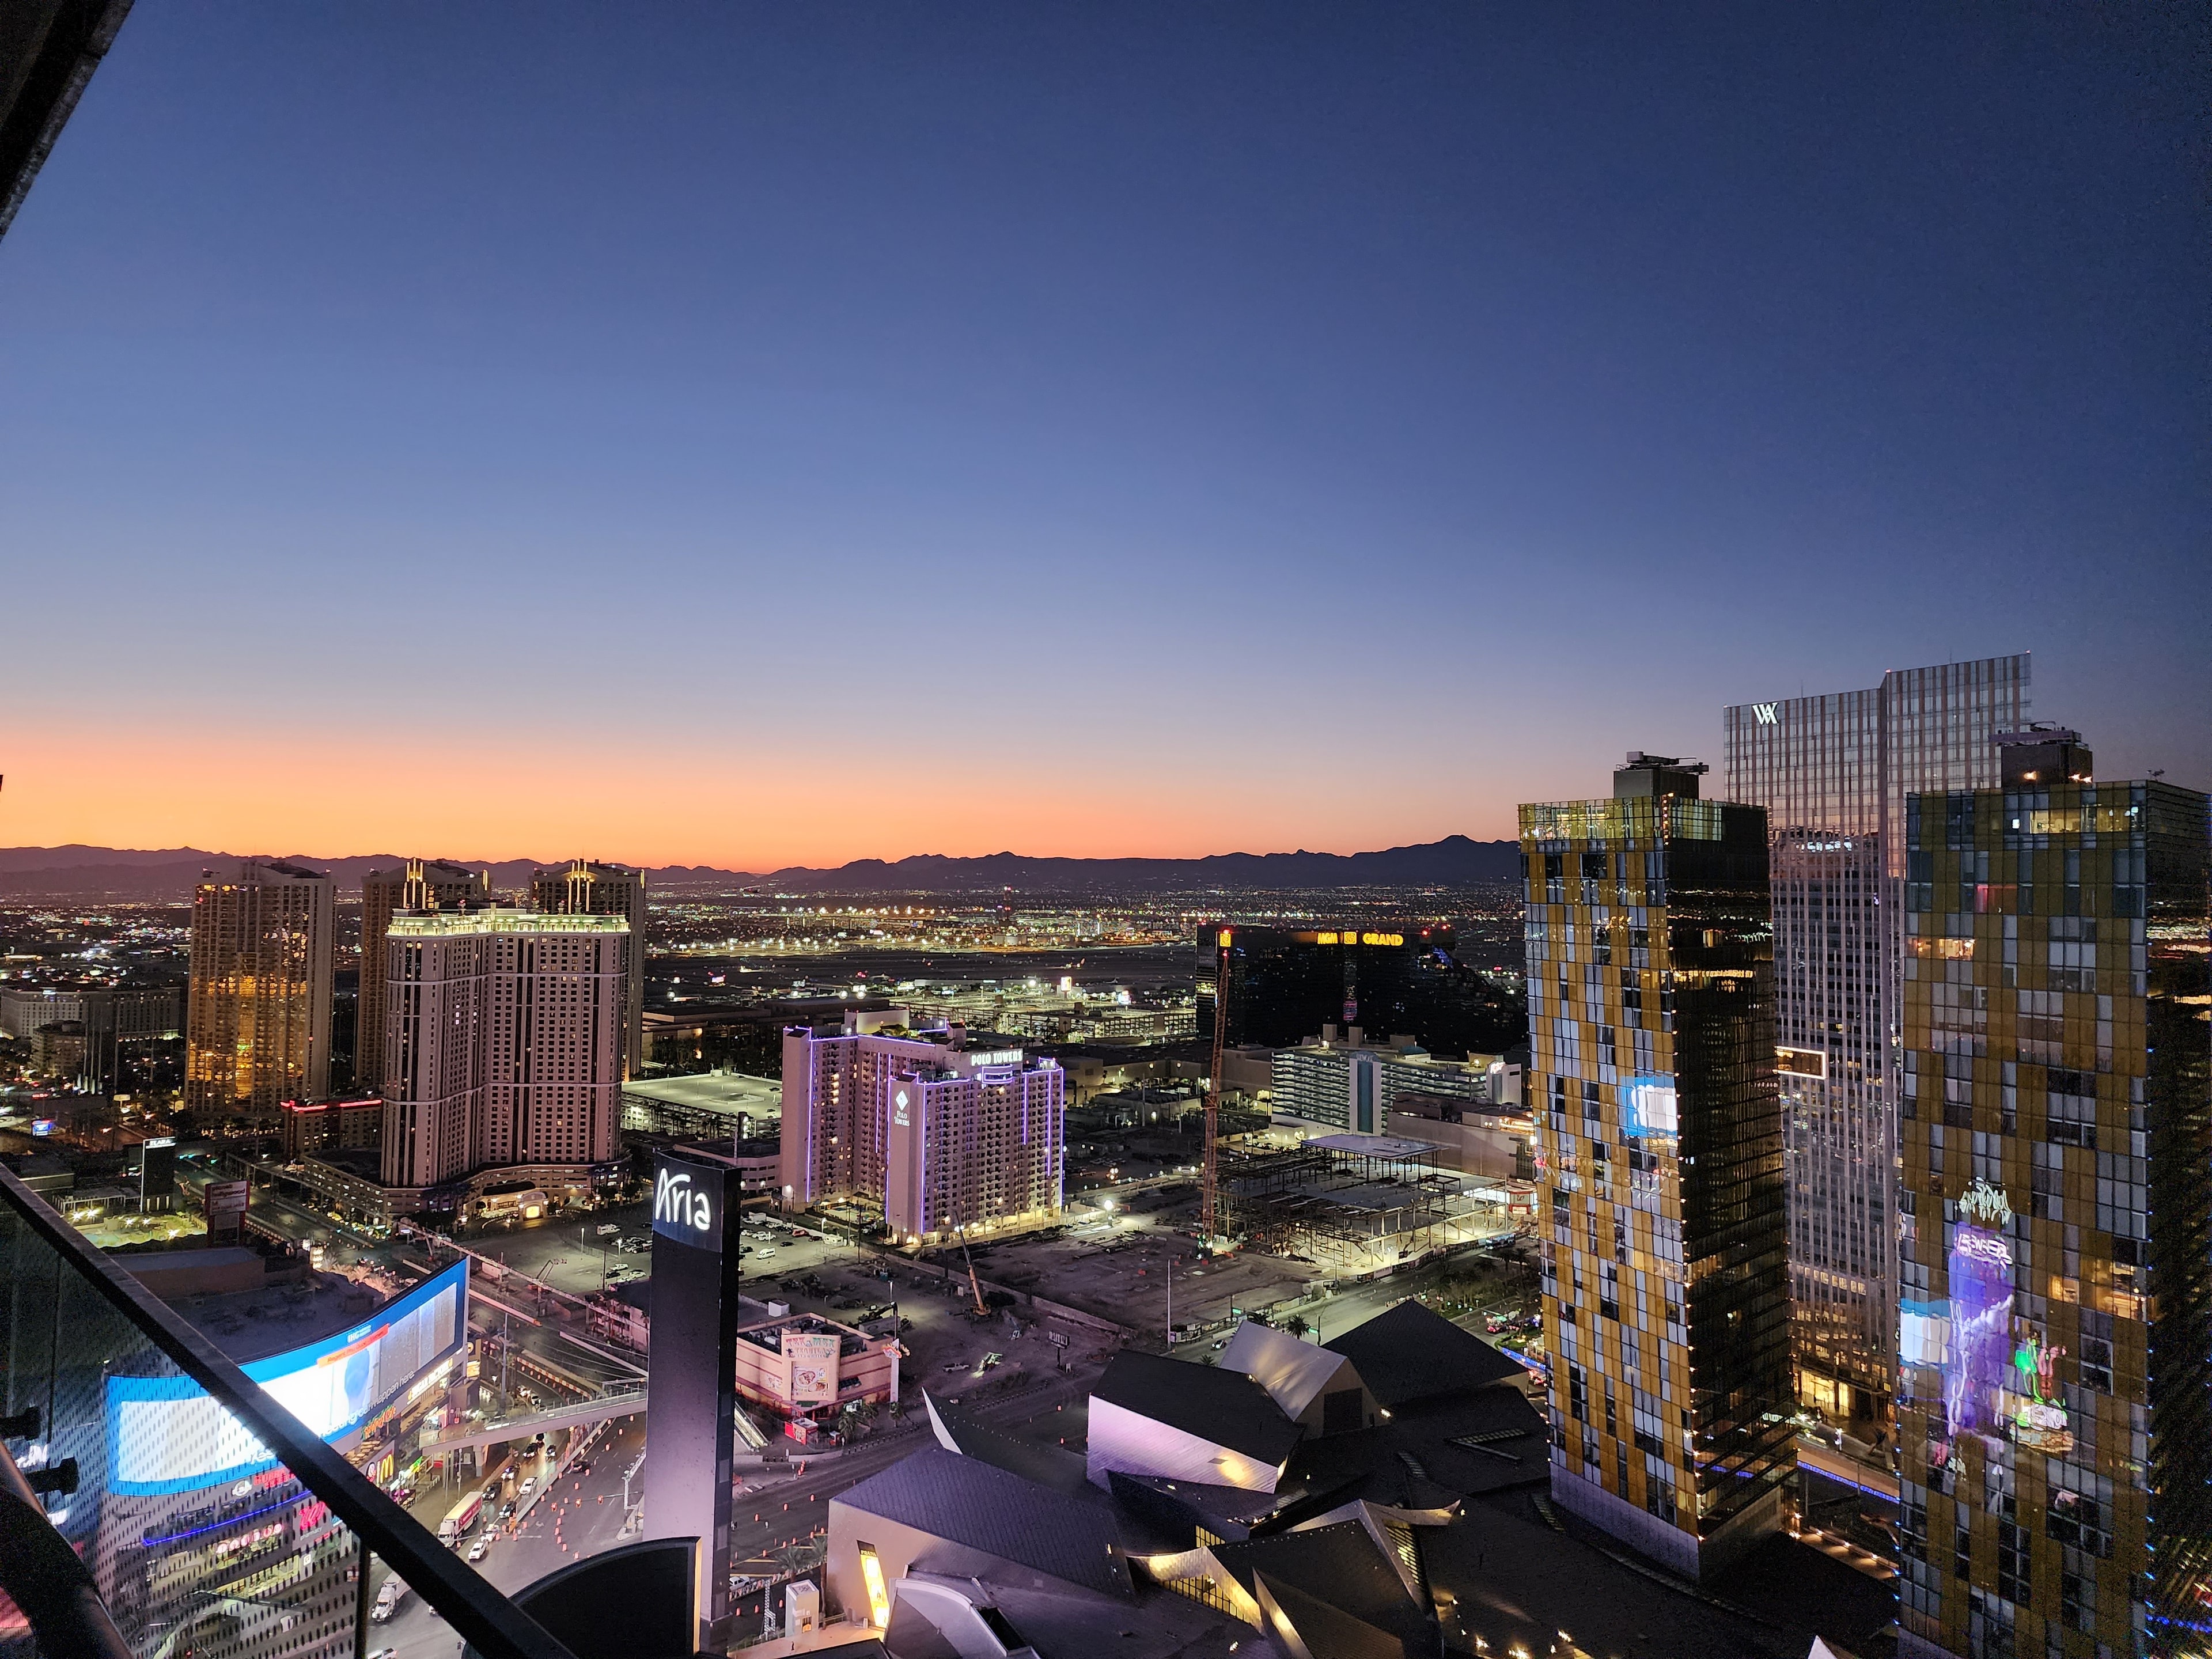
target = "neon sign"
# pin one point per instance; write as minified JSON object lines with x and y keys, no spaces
{"x":676,"y":1204}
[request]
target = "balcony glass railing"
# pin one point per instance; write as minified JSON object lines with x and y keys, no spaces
{"x":215,"y":1523}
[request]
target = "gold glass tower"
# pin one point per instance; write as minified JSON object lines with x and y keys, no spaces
{"x":258,"y":1017}
{"x":2055,"y":1399}
{"x":1659,"y":1139}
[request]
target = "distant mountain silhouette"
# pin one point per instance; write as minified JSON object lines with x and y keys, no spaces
{"x":1454,"y":861}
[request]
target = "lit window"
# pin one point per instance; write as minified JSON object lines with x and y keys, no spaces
{"x":872,"y":1574}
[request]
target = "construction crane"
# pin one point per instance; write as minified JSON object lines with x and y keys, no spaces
{"x":1210,"y":1201}
{"x":975,"y":1286}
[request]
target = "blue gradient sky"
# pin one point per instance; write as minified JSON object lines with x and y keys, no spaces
{"x":756,"y":434}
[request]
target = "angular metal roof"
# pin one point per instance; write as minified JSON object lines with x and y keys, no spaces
{"x":1222,"y":1407}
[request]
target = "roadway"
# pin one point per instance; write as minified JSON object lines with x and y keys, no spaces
{"x":780,"y":1512}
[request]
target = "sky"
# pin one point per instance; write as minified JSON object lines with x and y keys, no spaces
{"x":758,"y":435}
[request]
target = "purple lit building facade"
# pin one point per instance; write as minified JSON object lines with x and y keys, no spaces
{"x":2055,"y":1399}
{"x":943,"y":1131}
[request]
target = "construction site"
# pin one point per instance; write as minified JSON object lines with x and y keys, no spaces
{"x":1350,"y":1204}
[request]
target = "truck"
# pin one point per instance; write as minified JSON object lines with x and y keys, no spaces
{"x":462,"y":1522}
{"x":389,"y":1597}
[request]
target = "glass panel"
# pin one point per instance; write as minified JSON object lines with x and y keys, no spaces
{"x":202,"y":1543}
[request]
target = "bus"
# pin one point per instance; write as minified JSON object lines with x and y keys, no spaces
{"x":462,"y":1522}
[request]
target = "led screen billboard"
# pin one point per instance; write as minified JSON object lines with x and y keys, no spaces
{"x":1646,"y":1106}
{"x":165,"y":1434}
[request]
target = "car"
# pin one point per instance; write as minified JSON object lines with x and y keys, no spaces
{"x":478,"y":1550}
{"x":581,"y":1466}
{"x":384,"y":1653}
{"x":529,"y":1486}
{"x":765,"y":1251}
{"x":507,"y":1511}
{"x":990,"y":1360}
{"x":956,"y":1367}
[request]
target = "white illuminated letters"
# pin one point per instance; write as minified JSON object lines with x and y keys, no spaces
{"x":1763,"y":713}
{"x":675,"y":1203}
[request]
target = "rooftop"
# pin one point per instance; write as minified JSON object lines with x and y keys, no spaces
{"x":727,"y":1092}
{"x":252,"y":1324}
{"x":1291,"y":1371}
{"x":452,"y":924}
{"x":1222,"y":1407}
{"x":974,"y":1504}
{"x":1411,"y":1353}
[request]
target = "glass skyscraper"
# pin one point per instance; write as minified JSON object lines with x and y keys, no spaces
{"x":1833,"y":771}
{"x":1659,"y":1146}
{"x":2055,"y":1450}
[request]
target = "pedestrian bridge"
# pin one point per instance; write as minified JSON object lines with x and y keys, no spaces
{"x":521,"y":1428}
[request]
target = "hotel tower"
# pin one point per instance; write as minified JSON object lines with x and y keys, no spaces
{"x":1659,"y":1141}
{"x":1833,"y":771}
{"x":2054,"y":1437}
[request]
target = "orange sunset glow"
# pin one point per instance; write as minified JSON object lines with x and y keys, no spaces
{"x":755,"y":814}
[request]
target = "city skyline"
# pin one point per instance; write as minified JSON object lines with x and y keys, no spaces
{"x":1106,"y":354}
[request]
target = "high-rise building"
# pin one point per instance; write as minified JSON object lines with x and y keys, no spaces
{"x":1286,"y":984}
{"x":2055,"y":1451}
{"x":258,"y":1014}
{"x":418,"y":885}
{"x":1349,"y":1082}
{"x":119,"y":1027}
{"x":503,"y":1041}
{"x":944,"y":1129}
{"x":606,"y":889}
{"x":1833,"y":771}
{"x":1659,"y":1137}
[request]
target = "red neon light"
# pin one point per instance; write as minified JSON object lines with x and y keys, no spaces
{"x":352,"y":1348}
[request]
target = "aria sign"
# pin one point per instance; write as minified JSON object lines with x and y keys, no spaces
{"x":680,"y":1210}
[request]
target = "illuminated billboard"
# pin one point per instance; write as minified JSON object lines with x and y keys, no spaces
{"x":813,"y":1359}
{"x":166,"y":1434}
{"x":1646,"y":1106}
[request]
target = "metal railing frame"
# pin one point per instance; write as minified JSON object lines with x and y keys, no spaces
{"x":479,"y":1614}
{"x":47,"y":1579}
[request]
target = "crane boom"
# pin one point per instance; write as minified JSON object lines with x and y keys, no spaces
{"x":975,"y":1286}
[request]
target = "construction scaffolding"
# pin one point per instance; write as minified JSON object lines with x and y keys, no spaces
{"x":1349,"y":1203}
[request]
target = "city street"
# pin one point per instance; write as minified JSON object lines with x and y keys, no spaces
{"x":581,"y":1514}
{"x":778,"y":1511}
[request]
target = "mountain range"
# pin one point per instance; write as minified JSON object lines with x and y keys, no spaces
{"x":1454,"y":861}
